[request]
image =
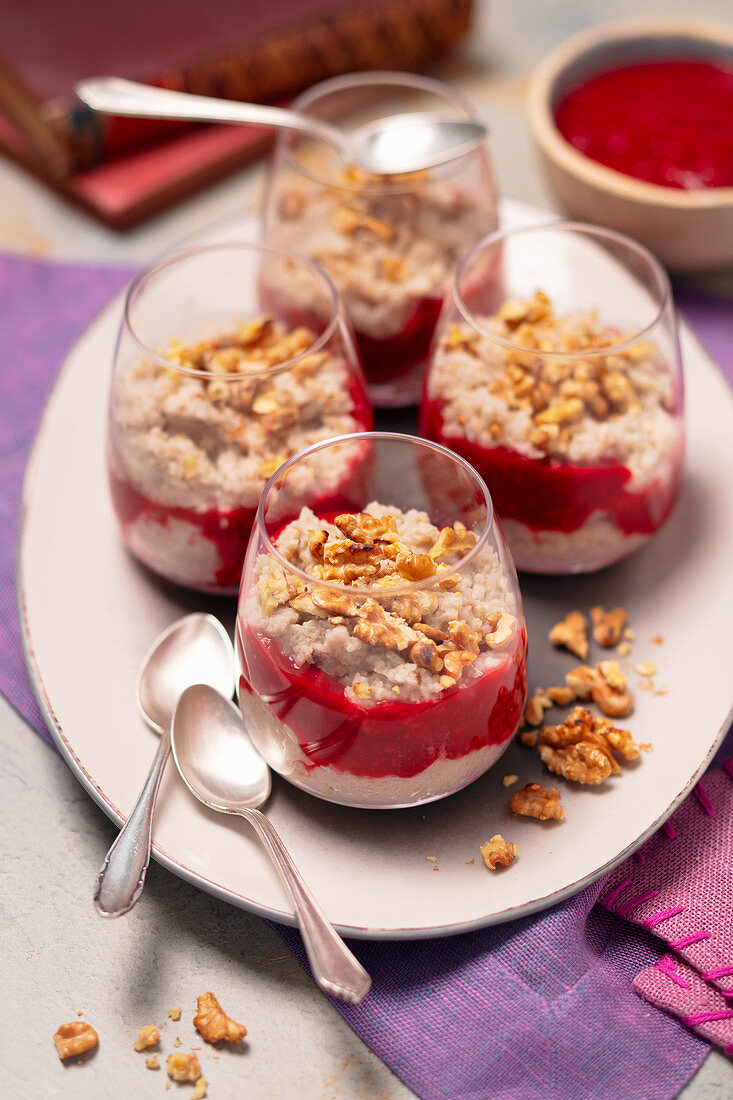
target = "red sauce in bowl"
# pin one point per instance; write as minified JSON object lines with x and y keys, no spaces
{"x":664,"y":122}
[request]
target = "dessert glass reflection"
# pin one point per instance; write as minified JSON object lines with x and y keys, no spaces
{"x":389,"y":243}
{"x":380,"y":636}
{"x":211,"y":392}
{"x":562,"y":385}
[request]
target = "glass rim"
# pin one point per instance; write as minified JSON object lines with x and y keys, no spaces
{"x":137,"y":285}
{"x":396,"y":590}
{"x":582,"y":228}
{"x":379,"y":78}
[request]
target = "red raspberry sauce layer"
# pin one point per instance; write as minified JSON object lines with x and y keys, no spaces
{"x":386,"y":738}
{"x":547,"y":495}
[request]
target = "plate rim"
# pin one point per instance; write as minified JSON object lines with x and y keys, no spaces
{"x":520,"y":210}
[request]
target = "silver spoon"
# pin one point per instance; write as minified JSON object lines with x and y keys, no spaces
{"x":221,"y":767}
{"x":403,"y":143}
{"x":196,"y":649}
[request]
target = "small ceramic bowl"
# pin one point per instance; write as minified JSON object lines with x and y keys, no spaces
{"x":687,"y":230}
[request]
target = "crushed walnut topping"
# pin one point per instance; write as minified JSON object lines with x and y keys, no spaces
{"x":562,"y":370}
{"x":372,"y":555}
{"x":582,"y":747}
{"x":498,"y":853}
{"x":608,"y":625}
{"x":213,"y":1024}
{"x":571,"y":634}
{"x":183,"y":1067}
{"x":147,"y":1036}
{"x":534,"y":800}
{"x":75,"y":1038}
{"x":153,"y":1062}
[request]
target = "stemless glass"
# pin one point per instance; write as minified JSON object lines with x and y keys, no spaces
{"x":380,"y":636}
{"x":561,"y":382}
{"x":390,"y":243}
{"x":210,"y":395}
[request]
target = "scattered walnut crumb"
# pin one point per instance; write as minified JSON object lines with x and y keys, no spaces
{"x":528,"y":737}
{"x":662,"y":691}
{"x":536,"y":706}
{"x":646,"y":669}
{"x":646,"y":685}
{"x":571,"y":633}
{"x":147,"y":1036}
{"x":433,"y":859}
{"x":646,"y":746}
{"x":658,"y":639}
{"x":176,"y":1042}
{"x":561,"y":696}
{"x":534,"y":800}
{"x":199,"y":1090}
{"x":436,"y":868}
{"x":183,"y":1067}
{"x":174,"y":1012}
{"x":213,"y":1024}
{"x":468,"y":862}
{"x":623,"y":649}
{"x":152,"y":1063}
{"x":498,"y":853}
{"x":628,"y":634}
{"x":607,"y":625}
{"x":75,"y":1038}
{"x":510,"y":780}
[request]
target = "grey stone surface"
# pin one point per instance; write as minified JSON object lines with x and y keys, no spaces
{"x":58,"y":957}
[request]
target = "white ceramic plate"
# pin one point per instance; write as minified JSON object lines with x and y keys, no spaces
{"x":90,"y":612}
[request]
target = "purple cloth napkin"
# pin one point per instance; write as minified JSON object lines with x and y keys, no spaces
{"x":537,"y":1009}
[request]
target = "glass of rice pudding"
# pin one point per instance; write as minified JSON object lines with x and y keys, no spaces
{"x":211,"y":392}
{"x":380,"y":636}
{"x":562,"y":385}
{"x":389,"y":243}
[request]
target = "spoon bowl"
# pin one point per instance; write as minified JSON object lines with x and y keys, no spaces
{"x":195,"y":649}
{"x":214,"y":755}
{"x":223,"y":770}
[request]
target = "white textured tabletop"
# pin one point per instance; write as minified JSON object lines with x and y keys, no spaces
{"x":59,"y":958}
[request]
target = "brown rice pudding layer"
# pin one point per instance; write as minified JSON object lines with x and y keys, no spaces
{"x":386,"y":250}
{"x":600,"y":427}
{"x":380,"y":665}
{"x":203,"y":432}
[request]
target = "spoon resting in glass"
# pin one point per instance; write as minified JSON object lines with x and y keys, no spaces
{"x":223,"y":770}
{"x":408,"y":142}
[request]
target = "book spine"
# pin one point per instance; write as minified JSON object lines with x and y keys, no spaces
{"x":385,"y":34}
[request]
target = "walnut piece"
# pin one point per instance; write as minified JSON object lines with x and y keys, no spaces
{"x":501,"y":627}
{"x":175,"y":1012}
{"x":199,"y":1090}
{"x":147,"y":1036}
{"x":608,"y":625}
{"x":571,"y":633}
{"x":609,"y":690}
{"x":152,"y":1062}
{"x":536,"y":706}
{"x":75,"y":1038}
{"x":498,"y":853}
{"x":213,"y":1024}
{"x":534,"y":800}
{"x":581,"y":748}
{"x":452,"y":540}
{"x":183,"y":1067}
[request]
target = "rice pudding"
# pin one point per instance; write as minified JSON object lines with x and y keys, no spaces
{"x":196,"y":432}
{"x":389,"y":249}
{"x":378,"y":667}
{"x":582,"y":455}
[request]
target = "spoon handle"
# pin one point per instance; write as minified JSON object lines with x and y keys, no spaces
{"x":122,"y":876}
{"x":335,"y":969}
{"x":118,"y":96}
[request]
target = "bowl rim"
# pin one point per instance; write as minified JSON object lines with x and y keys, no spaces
{"x":559,"y":150}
